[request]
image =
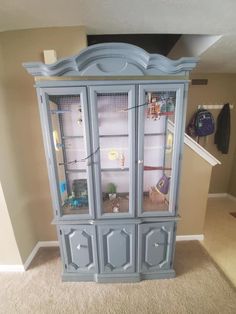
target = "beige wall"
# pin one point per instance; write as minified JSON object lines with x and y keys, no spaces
{"x":194,"y":185}
{"x":8,"y":246}
{"x":220,"y":89}
{"x":23,"y":170}
{"x":232,"y":182}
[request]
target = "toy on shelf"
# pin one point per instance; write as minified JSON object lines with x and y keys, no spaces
{"x":116,"y":207}
{"x":122,"y":161}
{"x":113,"y":154}
{"x":79,"y":196}
{"x":80,"y":119}
{"x":154,"y":108}
{"x":56,"y":142}
{"x":163,"y":184}
{"x":76,"y":202}
{"x":111,"y":190}
{"x":155,"y":196}
{"x":168,"y":106}
{"x":79,"y":187}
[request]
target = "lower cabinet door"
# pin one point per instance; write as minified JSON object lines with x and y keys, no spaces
{"x":117,"y":248}
{"x":79,"y":248}
{"x":155,"y":246}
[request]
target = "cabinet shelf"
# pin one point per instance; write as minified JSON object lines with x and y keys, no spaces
{"x":102,"y":170}
{"x":75,"y":170}
{"x":109,"y":135}
{"x":146,"y":168}
{"x":151,"y":168}
{"x":114,"y":169}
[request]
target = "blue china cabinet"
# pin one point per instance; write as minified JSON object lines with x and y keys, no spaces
{"x":113,"y":122}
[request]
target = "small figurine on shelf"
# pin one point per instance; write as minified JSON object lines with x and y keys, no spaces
{"x":113,"y":154}
{"x":116,"y":208}
{"x":122,"y":161}
{"x":79,"y":187}
{"x":154,"y":108}
{"x":155,"y":196}
{"x":111,"y":190}
{"x":76,"y":202}
{"x":80,"y":120}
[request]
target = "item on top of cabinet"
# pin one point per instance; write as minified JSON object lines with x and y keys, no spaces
{"x":113,"y":154}
{"x":155,"y":196}
{"x":122,"y":160}
{"x":163,"y":184}
{"x":111,"y":190}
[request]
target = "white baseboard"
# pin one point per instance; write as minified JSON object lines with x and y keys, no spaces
{"x":31,"y":256}
{"x":35,"y":251}
{"x":12,"y":268}
{"x":22,"y":268}
{"x":192,"y":237}
{"x":48,"y":244}
{"x":217,"y":195}
{"x":231,"y":197}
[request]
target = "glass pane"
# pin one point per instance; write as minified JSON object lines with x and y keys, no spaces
{"x":158,"y":145}
{"x":113,"y":142}
{"x":115,"y":195}
{"x":67,"y":120}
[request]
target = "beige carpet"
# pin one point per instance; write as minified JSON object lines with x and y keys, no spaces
{"x":220,"y":234}
{"x":198,"y":288}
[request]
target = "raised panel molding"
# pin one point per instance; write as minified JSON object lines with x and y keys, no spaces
{"x":154,"y":247}
{"x":79,"y":247}
{"x":117,"y":248}
{"x":112,"y":59}
{"x":117,"y":241}
{"x":156,"y":241}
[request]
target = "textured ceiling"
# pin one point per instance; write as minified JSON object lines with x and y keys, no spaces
{"x":214,"y":17}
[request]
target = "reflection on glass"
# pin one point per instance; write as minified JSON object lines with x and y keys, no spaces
{"x":113,"y":142}
{"x":70,"y":152}
{"x":158,"y":145}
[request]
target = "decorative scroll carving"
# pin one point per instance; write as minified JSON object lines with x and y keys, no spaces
{"x":112,"y":59}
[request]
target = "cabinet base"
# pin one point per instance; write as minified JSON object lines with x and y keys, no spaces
{"x":118,"y":278}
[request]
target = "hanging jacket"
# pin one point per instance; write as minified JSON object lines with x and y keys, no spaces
{"x":222,"y":134}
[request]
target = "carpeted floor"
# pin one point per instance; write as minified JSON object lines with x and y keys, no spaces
{"x":220,"y":234}
{"x":198,"y":288}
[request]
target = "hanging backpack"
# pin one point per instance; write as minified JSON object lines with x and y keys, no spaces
{"x":202,"y":124}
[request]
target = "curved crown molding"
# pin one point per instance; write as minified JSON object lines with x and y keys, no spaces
{"x":111,"y":59}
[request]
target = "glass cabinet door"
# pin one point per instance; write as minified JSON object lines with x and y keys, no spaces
{"x":113,"y":138}
{"x":159,"y":134}
{"x":69,"y":147}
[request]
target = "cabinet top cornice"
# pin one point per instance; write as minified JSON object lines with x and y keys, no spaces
{"x":113,"y":59}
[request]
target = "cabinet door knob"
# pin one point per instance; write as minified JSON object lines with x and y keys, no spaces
{"x":156,"y":244}
{"x":140,"y":161}
{"x":81,"y":246}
